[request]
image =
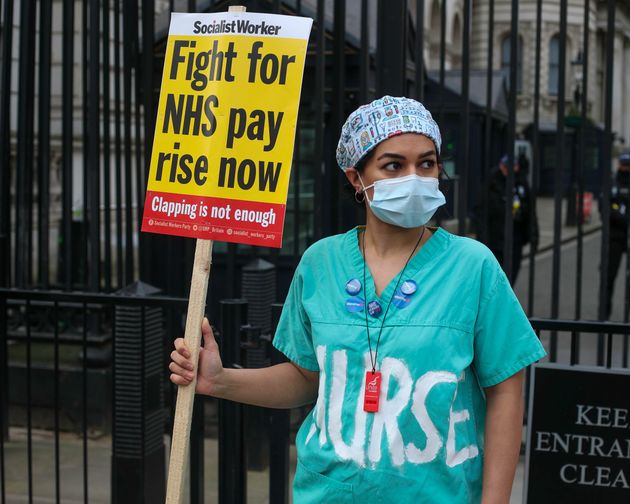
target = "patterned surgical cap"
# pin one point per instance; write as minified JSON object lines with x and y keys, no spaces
{"x":388,"y":116}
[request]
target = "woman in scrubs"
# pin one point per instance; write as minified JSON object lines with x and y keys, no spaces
{"x":408,"y":339}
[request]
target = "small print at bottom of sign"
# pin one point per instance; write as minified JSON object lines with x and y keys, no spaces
{"x":219,"y":219}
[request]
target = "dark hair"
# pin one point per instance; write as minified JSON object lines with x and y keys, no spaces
{"x":359,"y":167}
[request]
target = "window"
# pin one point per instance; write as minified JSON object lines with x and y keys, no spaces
{"x":303,"y":175}
{"x":456,"y":43}
{"x":505,"y":61}
{"x":554,"y":65}
{"x":434,"y":34}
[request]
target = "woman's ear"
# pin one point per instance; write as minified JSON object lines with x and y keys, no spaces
{"x":353,"y":177}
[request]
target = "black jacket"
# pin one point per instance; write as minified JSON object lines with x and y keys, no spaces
{"x":619,"y":196}
{"x":524,"y":225}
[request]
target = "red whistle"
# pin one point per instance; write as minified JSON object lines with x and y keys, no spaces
{"x":372,"y":391}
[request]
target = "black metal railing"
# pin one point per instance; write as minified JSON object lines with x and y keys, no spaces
{"x":96,"y":368}
{"x":59,"y":359}
{"x":73,"y":329}
{"x":584,"y":340}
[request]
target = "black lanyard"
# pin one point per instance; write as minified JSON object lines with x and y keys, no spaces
{"x":367,"y":327}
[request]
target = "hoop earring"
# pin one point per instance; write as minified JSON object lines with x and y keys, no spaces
{"x":359,"y":197}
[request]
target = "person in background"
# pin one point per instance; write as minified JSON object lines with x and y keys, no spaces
{"x":618,"y":224}
{"x":525,"y":228}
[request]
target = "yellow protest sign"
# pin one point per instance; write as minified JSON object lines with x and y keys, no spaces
{"x":225,"y":127}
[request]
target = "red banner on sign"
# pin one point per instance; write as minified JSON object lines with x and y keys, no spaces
{"x":219,"y":219}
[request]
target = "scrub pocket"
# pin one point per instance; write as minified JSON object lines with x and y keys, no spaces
{"x":310,"y":487}
{"x":429,"y":487}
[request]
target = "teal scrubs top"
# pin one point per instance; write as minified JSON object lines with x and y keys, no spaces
{"x":463,"y":329}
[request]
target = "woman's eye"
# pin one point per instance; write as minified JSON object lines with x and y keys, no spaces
{"x":427,"y":164}
{"x":393,"y":166}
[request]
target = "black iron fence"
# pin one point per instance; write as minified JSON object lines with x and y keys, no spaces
{"x":73,"y":366}
{"x":93,"y":367}
{"x":84,"y":365}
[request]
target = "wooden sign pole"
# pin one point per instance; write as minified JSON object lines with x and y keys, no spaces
{"x":180,"y":441}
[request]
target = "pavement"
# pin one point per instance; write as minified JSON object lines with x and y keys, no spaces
{"x":71,"y":478}
{"x":545,"y":209}
{"x":99,"y":448}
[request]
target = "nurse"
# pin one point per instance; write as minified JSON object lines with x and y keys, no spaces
{"x":408,"y":339}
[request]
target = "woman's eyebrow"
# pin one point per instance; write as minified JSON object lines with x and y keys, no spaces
{"x":390,"y":155}
{"x":427,"y":154}
{"x":394,"y":155}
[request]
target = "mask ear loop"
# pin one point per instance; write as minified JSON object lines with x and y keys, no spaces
{"x":362,"y":193}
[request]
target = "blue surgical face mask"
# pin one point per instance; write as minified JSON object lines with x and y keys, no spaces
{"x":407,"y":201}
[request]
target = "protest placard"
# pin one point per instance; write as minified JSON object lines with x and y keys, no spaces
{"x":222,"y":154}
{"x":225,"y":127}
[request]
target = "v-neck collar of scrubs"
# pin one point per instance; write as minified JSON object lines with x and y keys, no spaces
{"x":431,"y":247}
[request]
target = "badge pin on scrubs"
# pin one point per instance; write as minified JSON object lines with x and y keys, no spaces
{"x":353,"y":286}
{"x":374,"y":308}
{"x":408,"y":287}
{"x":400,"y":300}
{"x":402,"y":297}
{"x":354,"y":304}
